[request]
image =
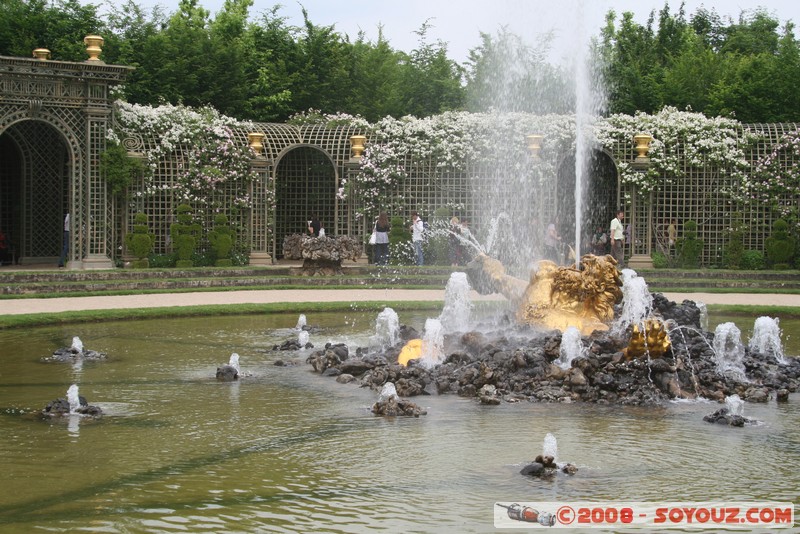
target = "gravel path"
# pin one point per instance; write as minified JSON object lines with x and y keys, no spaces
{"x":66,"y":304}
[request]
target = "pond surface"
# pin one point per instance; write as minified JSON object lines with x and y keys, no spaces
{"x":287,"y":450}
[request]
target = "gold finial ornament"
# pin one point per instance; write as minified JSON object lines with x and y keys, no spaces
{"x":94,"y":46}
{"x":357,"y":143}
{"x":255,"y":139}
{"x":535,"y":144}
{"x":41,"y":53}
{"x":641,"y":144}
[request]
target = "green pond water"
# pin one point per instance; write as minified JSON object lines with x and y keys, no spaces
{"x":287,"y":450}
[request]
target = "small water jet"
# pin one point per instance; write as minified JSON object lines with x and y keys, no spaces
{"x":766,"y":339}
{"x":301,"y":322}
{"x":455,"y":316}
{"x":230,"y":371}
{"x":571,"y":348}
{"x":637,"y":302}
{"x":732,"y":414}
{"x":729,"y":351}
{"x":546,"y":464}
{"x":387,"y":329}
{"x":390,"y":404}
{"x":432,"y":344}
{"x":76,"y":351}
{"x":73,"y":404}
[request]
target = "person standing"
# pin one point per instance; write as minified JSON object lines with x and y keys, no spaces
{"x":672,"y":235}
{"x":617,"y":232}
{"x":314,"y":225}
{"x":62,"y":261}
{"x":382,"y":228}
{"x":417,"y":236}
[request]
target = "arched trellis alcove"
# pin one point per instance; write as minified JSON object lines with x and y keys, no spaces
{"x":306,"y":182}
{"x":68,"y":104}
{"x":34,"y":191}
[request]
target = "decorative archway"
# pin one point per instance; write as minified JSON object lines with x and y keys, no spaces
{"x":34,"y":188}
{"x":306,"y":182}
{"x":69,"y":105}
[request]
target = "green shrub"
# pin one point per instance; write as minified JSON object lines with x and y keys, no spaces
{"x":221,"y":239}
{"x":734,"y":250}
{"x":140,"y":242}
{"x":184,"y":236}
{"x":780,"y":246}
{"x":660,"y":260}
{"x":162,"y":261}
{"x":753,"y":260}
{"x":689,"y":247}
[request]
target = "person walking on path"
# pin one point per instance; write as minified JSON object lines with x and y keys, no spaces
{"x":417,"y":236}
{"x":617,"y":232}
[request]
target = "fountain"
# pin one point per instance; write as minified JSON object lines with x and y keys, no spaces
{"x":387,"y":329}
{"x":432,"y":344}
{"x":230,"y":371}
{"x":732,"y":414}
{"x":301,"y":322}
{"x":766,"y":339}
{"x":390,"y":404}
{"x":455,"y":316}
{"x":571,"y":348}
{"x":546,"y":464}
{"x":73,"y":404}
{"x":729,"y":351}
{"x":75,"y":352}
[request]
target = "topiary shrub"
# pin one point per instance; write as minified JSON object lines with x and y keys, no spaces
{"x":780,"y":246}
{"x":689,"y":247}
{"x":184,"y":236}
{"x":734,"y":250}
{"x":660,"y":260}
{"x":221,"y":239}
{"x":753,"y":260}
{"x":401,"y":251}
{"x":140,"y":242}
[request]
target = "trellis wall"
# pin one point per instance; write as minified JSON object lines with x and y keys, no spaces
{"x":302,"y":165}
{"x":700,"y":196}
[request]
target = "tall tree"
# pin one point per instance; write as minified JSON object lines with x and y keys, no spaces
{"x":431,"y":82}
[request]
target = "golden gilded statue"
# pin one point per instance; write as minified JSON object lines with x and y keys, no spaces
{"x":653,"y":341}
{"x":560,"y":297}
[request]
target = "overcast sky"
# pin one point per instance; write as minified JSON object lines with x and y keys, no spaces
{"x":459,"y":22}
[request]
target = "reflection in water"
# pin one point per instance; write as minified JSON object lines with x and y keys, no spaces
{"x":287,"y":450}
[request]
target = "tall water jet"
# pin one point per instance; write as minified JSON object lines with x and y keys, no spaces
{"x":77,"y":345}
{"x":766,"y":339}
{"x":301,"y":322}
{"x":571,"y":348}
{"x":432,"y":344}
{"x":729,"y":351}
{"x":387,"y":329}
{"x":455,"y":316}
